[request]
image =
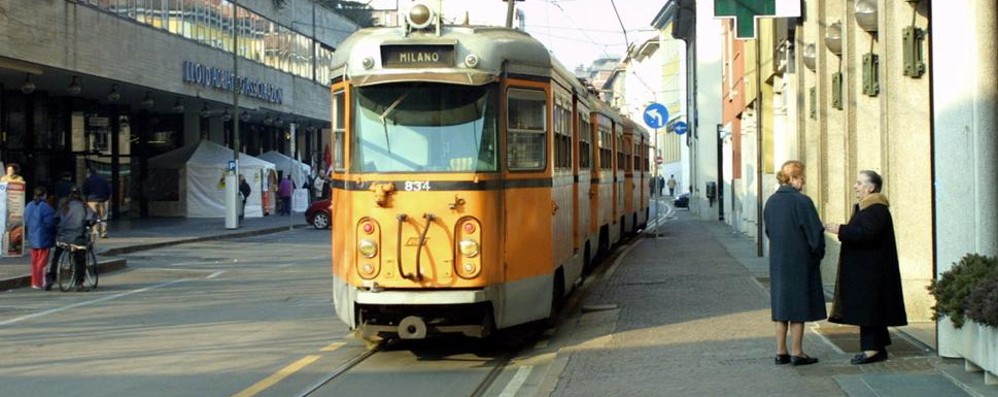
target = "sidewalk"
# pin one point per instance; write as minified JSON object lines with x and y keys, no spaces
{"x":689,"y":316}
{"x":130,"y":235}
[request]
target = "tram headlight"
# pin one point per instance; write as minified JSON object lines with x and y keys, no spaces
{"x":367,"y":62}
{"x":368,"y":248}
{"x":420,"y":15}
{"x":469,"y":248}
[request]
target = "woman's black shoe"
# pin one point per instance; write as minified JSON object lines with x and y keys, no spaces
{"x":782,"y":359}
{"x":802,"y":360}
{"x":862,"y":358}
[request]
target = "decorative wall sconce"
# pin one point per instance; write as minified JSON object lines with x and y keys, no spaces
{"x":268,"y":120}
{"x":810,"y":57}
{"x":837,"y":81}
{"x":866,"y":14}
{"x":27,"y":86}
{"x":833,"y":38}
{"x":113,"y":95}
{"x":205,"y":112}
{"x":147,"y":102}
{"x":244,"y":116}
{"x":74,"y":88}
{"x":226,"y":116}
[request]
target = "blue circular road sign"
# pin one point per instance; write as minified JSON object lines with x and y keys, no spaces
{"x":680,"y":127}
{"x":656,"y":115}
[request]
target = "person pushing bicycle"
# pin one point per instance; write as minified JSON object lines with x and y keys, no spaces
{"x":72,"y":219}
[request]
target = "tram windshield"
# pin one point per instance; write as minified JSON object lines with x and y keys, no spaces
{"x":425,"y":127}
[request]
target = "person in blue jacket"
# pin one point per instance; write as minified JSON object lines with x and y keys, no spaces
{"x":39,"y":218}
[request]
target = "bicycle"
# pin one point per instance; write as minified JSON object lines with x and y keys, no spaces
{"x":66,"y":274}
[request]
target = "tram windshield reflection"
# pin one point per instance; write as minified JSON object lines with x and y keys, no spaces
{"x":425,"y":128}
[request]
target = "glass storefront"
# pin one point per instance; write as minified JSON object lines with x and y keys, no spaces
{"x":210,"y":22}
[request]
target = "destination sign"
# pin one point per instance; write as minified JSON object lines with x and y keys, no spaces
{"x":417,"y":56}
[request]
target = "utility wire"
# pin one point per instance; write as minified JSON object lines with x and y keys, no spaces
{"x":622,"y":28}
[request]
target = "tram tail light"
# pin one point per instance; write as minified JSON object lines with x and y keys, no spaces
{"x":368,"y":254}
{"x":368,"y":248}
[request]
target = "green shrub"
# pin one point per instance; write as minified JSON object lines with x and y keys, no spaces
{"x":952,"y":289}
{"x":982,"y":304}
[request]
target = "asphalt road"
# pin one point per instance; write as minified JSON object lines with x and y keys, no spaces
{"x":245,"y":317}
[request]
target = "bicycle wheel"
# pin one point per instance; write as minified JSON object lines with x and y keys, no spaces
{"x":66,"y":273}
{"x":92,"y":269}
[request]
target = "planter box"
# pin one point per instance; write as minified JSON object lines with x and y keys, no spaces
{"x":976,"y":343}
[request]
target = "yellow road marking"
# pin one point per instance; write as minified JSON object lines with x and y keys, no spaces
{"x":333,"y":346}
{"x":276,"y":377}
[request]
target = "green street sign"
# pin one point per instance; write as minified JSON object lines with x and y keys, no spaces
{"x":745,"y":13}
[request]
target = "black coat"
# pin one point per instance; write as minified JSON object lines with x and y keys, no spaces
{"x":868,"y":286}
{"x":796,"y":246}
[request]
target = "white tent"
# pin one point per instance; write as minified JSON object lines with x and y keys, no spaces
{"x":189,"y":181}
{"x":287,"y":164}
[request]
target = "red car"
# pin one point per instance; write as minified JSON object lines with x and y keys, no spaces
{"x":318,"y":214}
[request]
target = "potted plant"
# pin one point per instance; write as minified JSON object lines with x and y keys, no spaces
{"x":969,"y":290}
{"x":954,"y":286}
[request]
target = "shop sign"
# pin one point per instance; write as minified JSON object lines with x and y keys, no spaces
{"x":221,"y":79}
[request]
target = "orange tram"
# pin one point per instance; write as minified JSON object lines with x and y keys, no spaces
{"x":474,"y":179}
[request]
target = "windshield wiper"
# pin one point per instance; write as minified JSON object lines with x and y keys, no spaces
{"x":384,"y":118}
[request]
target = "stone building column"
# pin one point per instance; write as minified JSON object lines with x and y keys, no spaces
{"x":964,"y":75}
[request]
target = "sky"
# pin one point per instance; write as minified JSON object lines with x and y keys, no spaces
{"x":576,"y":31}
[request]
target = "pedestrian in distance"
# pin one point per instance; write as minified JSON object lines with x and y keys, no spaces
{"x":868,"y":287}
{"x":62,"y":188}
{"x":244,"y":190}
{"x":39,"y":219}
{"x":71,"y":221}
{"x":661,"y":185}
{"x":97,"y":192}
{"x":13,"y":174}
{"x":285,"y":190}
{"x":672,"y":185}
{"x":796,"y":246}
{"x":651,"y":186}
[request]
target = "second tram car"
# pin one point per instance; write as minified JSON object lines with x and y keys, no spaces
{"x":474,"y":179}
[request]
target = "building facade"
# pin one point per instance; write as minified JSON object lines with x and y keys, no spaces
{"x":108,"y":84}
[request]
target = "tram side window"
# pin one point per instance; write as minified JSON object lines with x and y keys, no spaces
{"x":339,"y":129}
{"x":527,"y":144}
{"x":563,"y":137}
{"x":585,"y":147}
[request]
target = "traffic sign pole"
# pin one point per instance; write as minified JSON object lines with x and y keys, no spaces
{"x":656,"y":116}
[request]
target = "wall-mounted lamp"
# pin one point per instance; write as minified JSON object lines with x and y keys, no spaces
{"x":74,"y":88}
{"x":27,"y":86}
{"x":833,"y":38}
{"x":226,"y":116}
{"x":866,"y":14}
{"x":268,"y":120}
{"x":810,"y":57}
{"x":178,"y":107}
{"x":113,"y":95}
{"x":244,"y":116}
{"x":278,"y":122}
{"x":205,"y":112}
{"x":147,"y":102}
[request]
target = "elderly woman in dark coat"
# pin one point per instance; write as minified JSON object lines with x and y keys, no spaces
{"x":868,"y":286}
{"x":796,"y":246}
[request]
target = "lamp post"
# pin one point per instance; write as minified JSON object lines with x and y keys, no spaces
{"x":232,"y":176}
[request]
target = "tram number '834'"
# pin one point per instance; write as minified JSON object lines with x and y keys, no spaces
{"x":417,"y":186}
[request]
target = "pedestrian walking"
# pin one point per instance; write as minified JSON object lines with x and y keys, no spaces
{"x":13,"y":174}
{"x":71,"y":220}
{"x":97,"y":192}
{"x":661,"y":184}
{"x":868,"y":287}
{"x":796,"y":246}
{"x":39,"y":219}
{"x":285,"y":190}
{"x":672,"y":185}
{"x":245,"y":191}
{"x":62,"y":188}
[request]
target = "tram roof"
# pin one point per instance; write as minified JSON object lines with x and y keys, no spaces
{"x":493,"y":46}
